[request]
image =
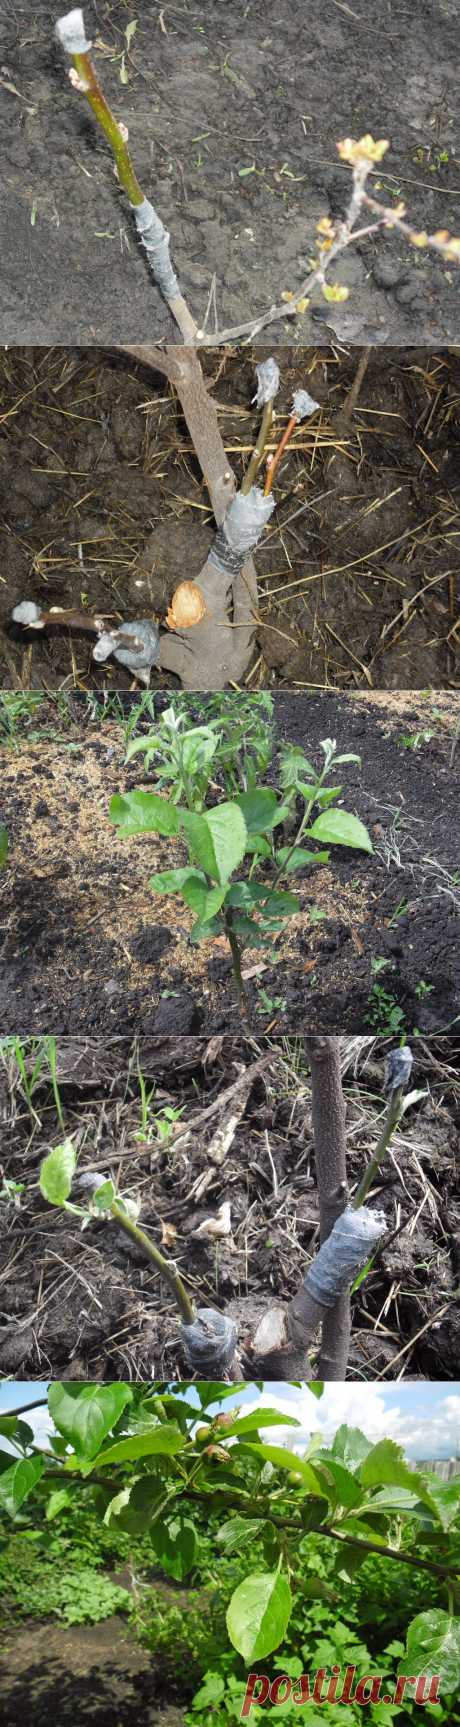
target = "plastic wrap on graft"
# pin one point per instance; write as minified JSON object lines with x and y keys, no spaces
{"x":241,"y":529}
{"x":268,"y":382}
{"x":70,"y":31}
{"x":210,"y":1341}
{"x":398,"y":1069}
{"x":344,"y":1253}
{"x":155,"y":239}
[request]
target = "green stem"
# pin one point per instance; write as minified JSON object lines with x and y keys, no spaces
{"x":393,"y":1115}
{"x":305,"y":818}
{"x":169,"y":1276}
{"x":235,"y":951}
{"x":259,"y":448}
{"x":106,"y":120}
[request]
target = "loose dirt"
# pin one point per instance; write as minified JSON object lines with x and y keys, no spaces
{"x":87,"y":947}
{"x":103,"y":506}
{"x":234,"y":117}
{"x":90,"y":1673}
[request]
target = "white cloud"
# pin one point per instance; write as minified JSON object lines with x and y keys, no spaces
{"x":436,"y":1434}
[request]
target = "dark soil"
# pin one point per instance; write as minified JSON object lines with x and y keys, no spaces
{"x":102,"y":506}
{"x":213,"y":91}
{"x":93,"y":1674}
{"x":88,"y":1306}
{"x":87,"y":948}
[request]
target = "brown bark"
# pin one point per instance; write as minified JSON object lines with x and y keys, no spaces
{"x":282,"y":1340}
{"x":218,"y":650}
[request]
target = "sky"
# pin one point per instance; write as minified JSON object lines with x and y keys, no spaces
{"x":423,"y":1416}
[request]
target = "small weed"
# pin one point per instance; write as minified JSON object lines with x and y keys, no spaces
{"x":422,"y":989}
{"x":414,"y":740}
{"x":41,"y":1052}
{"x":399,"y":911}
{"x":271,"y":1004}
{"x":383,"y":1012}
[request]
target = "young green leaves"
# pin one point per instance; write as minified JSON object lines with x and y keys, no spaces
{"x":219,"y":839}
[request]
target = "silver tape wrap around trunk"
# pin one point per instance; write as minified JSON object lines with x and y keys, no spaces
{"x":154,"y":238}
{"x":241,"y":530}
{"x":349,"y":1244}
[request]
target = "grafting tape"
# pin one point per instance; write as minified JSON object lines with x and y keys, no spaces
{"x":268,"y":382}
{"x":142,"y":629}
{"x":210,"y":1341}
{"x":398,"y":1069}
{"x":70,"y":31}
{"x":241,"y":529}
{"x":344,"y":1253}
{"x":303,"y":405}
{"x":155,"y":238}
{"x":29,"y":614}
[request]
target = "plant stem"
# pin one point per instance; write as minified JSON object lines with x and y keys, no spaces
{"x":259,"y":448}
{"x":106,"y":120}
{"x":291,"y":1523}
{"x":298,"y":836}
{"x":279,"y":452}
{"x":170,"y":1276}
{"x":236,"y":963}
{"x":394,"y":1111}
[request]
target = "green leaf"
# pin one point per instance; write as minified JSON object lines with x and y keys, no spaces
{"x":58,"y":1501}
{"x":210,"y":1691}
{"x":348,"y":1491}
{"x":433,"y":1646}
{"x":3,"y":845}
{"x":260,"y":809}
{"x":235,"y":1535}
{"x":316,"y":1386}
{"x":299,"y":858}
{"x":341,"y":829}
{"x":260,"y":1418}
{"x":85,"y":1414}
{"x":385,"y":1465}
{"x":350,"y":1446}
{"x":281,"y":904}
{"x":257,"y":846}
{"x":143,"y":812}
{"x":16,"y":1483}
{"x":258,"y":1614}
{"x":174,"y":880}
{"x":57,"y":1171}
{"x":161,"y":1441}
{"x":283,"y":1459}
{"x":447,"y":1498}
{"x":103,"y":1196}
{"x":175,"y":1545}
{"x":11,"y":1427}
{"x":246,"y":893}
{"x":217,"y":839}
{"x":204,"y":928}
{"x":203,"y":900}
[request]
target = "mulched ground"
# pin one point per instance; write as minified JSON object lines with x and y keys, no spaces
{"x":102,"y":505}
{"x":234,"y":116}
{"x":85,"y":1306}
{"x":87,"y":948}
